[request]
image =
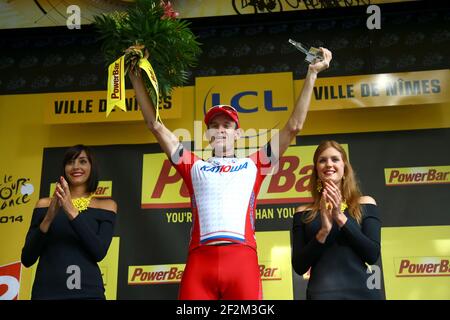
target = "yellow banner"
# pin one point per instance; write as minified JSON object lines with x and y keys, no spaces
{"x":162,"y":186}
{"x":379,"y":90}
{"x":417,"y":175}
{"x":109,"y":268}
{"x":104,"y":189}
{"x":274,"y":256}
{"x":416,"y":262}
{"x":90,"y":106}
{"x":264,"y":101}
{"x":116,"y":86}
{"x":145,"y":65}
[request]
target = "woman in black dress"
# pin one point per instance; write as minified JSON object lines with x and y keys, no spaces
{"x":338,"y":235}
{"x":70,"y":233}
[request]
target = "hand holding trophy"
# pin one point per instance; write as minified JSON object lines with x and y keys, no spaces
{"x":312,"y":54}
{"x":318,"y":58}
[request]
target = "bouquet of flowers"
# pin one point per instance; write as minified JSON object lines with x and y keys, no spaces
{"x":148,"y":36}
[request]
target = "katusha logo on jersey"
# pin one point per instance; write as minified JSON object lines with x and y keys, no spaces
{"x":10,"y":281}
{"x":223,"y":168}
{"x":269,"y":271}
{"x":422,"y":267}
{"x":155,"y":274}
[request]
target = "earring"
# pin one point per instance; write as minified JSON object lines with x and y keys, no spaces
{"x":319,"y":186}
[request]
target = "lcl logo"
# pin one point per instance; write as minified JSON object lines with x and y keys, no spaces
{"x":10,"y":281}
{"x":267,"y":96}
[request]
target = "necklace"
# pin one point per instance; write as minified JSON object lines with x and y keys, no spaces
{"x":82,"y":203}
{"x":343,"y":206}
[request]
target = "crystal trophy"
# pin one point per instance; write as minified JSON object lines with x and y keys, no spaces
{"x":311,"y":53}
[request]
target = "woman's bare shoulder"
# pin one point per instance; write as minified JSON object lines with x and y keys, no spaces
{"x":304,"y":207}
{"x":367,"y":200}
{"x":105,"y":204}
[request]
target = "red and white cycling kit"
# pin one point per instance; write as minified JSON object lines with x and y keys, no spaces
{"x":223,"y":195}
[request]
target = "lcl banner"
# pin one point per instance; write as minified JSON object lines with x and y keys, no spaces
{"x":264,"y":101}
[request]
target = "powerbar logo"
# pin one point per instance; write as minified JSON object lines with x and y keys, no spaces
{"x":156,"y":274}
{"x":161,"y":274}
{"x":116,"y":82}
{"x":422,"y":267}
{"x":417,"y":175}
{"x":269,"y":271}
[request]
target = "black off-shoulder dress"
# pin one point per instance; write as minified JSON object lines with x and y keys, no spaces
{"x":338,"y":267}
{"x":69,"y":245}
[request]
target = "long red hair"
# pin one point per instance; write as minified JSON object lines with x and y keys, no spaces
{"x":349,"y":186}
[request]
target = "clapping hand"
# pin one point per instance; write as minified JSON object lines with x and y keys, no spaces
{"x":326,"y":217}
{"x":334,"y":197}
{"x":64,"y":198}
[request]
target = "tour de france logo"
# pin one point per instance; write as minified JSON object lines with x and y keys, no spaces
{"x":14,"y":193}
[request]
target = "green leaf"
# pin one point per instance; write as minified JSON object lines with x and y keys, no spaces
{"x":172,"y":46}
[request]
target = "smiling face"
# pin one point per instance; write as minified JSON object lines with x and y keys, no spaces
{"x":330,"y":166}
{"x":222,"y":134}
{"x":78,"y":170}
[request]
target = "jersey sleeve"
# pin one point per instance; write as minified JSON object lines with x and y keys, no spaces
{"x":183,"y":160}
{"x":263,"y":159}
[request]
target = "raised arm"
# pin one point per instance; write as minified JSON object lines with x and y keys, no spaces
{"x":166,"y":139}
{"x":298,"y":116}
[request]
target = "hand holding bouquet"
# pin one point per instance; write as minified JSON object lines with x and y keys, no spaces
{"x":148,"y":36}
